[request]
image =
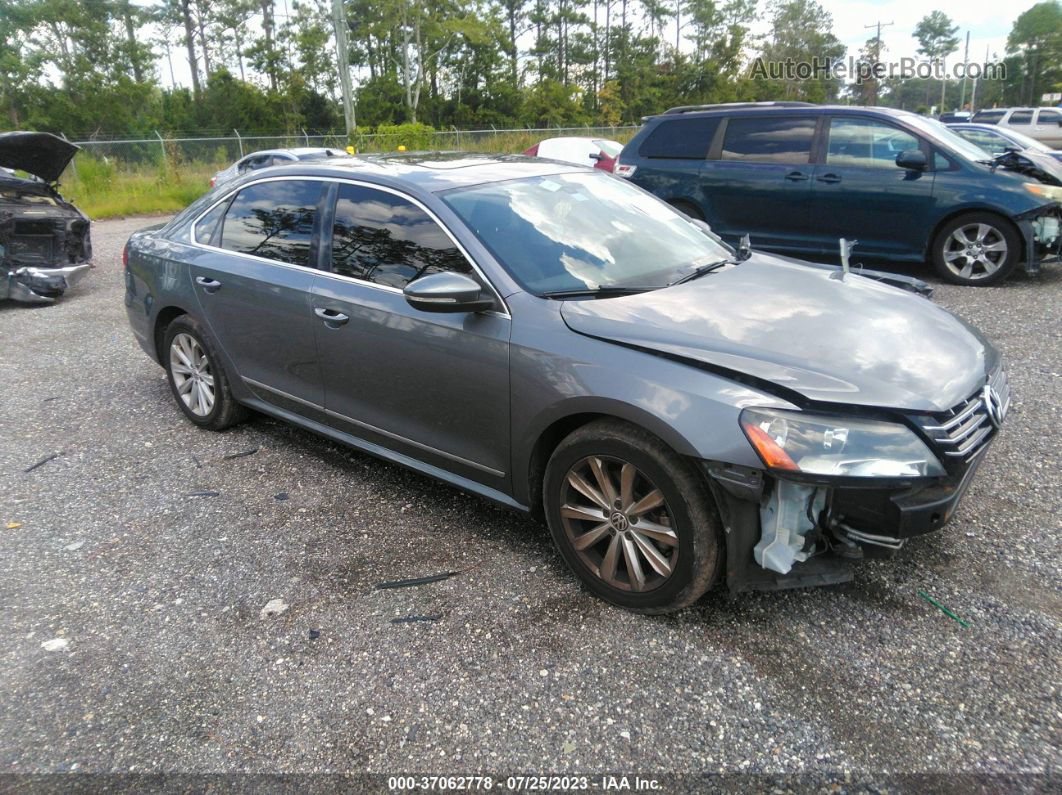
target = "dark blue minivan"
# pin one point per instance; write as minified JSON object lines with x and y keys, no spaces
{"x":797,"y":177}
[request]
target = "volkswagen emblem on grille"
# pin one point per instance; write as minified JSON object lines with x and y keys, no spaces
{"x":993,"y":405}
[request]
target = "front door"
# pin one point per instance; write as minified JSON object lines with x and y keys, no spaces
{"x":434,"y":386}
{"x":859,"y":192}
{"x":759,"y":182}
{"x":252,"y":274}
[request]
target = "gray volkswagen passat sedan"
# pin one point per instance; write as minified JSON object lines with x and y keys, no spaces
{"x":561,"y":342}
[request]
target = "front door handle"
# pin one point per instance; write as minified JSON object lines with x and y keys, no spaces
{"x":796,"y":176}
{"x":208,"y":284}
{"x":829,"y":179}
{"x":331,"y":317}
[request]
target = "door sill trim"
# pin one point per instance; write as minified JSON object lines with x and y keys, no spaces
{"x":373,"y":429}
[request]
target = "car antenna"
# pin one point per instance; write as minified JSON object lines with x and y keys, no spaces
{"x":846,"y":252}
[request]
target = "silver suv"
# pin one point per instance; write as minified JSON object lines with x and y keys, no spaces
{"x":1043,"y":124}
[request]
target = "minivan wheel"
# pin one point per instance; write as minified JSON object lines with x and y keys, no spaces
{"x":631,"y":518}
{"x":197,"y":379}
{"x":976,"y":249}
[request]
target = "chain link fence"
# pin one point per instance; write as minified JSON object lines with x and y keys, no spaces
{"x":227,"y":149}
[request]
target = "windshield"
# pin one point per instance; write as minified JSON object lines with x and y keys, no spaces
{"x":944,"y":135}
{"x":583,"y":231}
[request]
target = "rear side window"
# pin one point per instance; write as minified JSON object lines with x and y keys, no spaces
{"x":680,"y":139}
{"x":205,"y":226}
{"x":1020,"y":117}
{"x":988,"y":116}
{"x":273,"y":220}
{"x":382,"y":238}
{"x":769,"y":140}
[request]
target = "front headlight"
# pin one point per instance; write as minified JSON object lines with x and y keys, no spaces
{"x":823,"y":445}
{"x":1049,"y":192}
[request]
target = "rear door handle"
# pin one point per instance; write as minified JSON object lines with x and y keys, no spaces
{"x":208,"y":284}
{"x":330,"y":316}
{"x":796,"y":176}
{"x":829,"y":179}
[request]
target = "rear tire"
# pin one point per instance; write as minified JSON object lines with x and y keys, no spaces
{"x":631,"y":518}
{"x":976,"y":249}
{"x":197,"y":378}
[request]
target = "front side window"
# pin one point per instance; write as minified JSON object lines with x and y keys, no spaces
{"x":382,"y":238}
{"x":769,"y":140}
{"x":1020,"y":117}
{"x":866,"y":143}
{"x":583,"y":231}
{"x":273,"y":220}
{"x":1048,"y":117}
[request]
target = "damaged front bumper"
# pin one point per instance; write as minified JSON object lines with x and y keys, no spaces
{"x":39,"y":285}
{"x":1041,"y":230}
{"x":784,"y":533}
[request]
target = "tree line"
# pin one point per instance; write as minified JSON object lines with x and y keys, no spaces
{"x":106,"y":68}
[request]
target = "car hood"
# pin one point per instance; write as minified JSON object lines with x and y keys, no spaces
{"x":42,"y":154}
{"x":853,"y":341}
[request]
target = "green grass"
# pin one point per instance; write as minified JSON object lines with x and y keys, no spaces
{"x":104,"y":188}
{"x":101,"y":189}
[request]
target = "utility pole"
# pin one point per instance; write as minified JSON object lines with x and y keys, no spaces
{"x":877,"y":56}
{"x":339,"y":22}
{"x":977,"y":82}
{"x":966,"y":61}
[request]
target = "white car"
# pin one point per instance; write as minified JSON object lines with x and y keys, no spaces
{"x":272,"y":157}
{"x":597,"y":152}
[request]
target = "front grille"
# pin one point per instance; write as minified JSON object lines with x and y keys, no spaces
{"x":962,"y":432}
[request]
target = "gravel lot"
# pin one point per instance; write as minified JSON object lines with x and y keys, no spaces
{"x":170,"y":667}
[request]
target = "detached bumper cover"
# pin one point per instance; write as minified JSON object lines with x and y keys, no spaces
{"x":41,"y":285}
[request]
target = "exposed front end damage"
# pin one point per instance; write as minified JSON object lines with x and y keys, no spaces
{"x":45,"y":242}
{"x":794,"y":531}
{"x":1041,"y":230}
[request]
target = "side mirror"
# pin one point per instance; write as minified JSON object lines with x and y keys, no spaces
{"x":447,"y":292}
{"x":597,"y":156}
{"x":912,"y":159}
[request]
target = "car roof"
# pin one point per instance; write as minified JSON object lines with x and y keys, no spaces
{"x":773,"y":108}
{"x":428,"y":171}
{"x":576,"y":138}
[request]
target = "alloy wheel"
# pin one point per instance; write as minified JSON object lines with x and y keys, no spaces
{"x":975,"y":251}
{"x":619,"y":524}
{"x":192,"y":375}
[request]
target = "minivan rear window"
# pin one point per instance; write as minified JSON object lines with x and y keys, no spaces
{"x":680,"y":139}
{"x":769,"y":139}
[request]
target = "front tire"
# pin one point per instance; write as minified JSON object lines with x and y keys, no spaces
{"x":197,"y":379}
{"x":631,"y":518}
{"x":976,"y":249}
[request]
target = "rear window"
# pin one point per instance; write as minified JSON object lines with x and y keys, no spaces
{"x":273,"y":220}
{"x":1020,"y":117}
{"x":680,"y":139}
{"x":769,"y":140}
{"x":988,"y":116}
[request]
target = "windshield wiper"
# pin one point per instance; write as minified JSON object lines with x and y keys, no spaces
{"x":603,"y":291}
{"x":700,"y":270}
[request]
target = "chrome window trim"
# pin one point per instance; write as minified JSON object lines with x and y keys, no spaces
{"x":361,"y":183}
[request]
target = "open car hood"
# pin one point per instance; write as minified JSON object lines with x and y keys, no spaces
{"x":41,"y":154}
{"x":1038,"y":165}
{"x":854,"y":341}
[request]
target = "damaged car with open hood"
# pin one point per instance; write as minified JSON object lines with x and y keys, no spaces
{"x":45,"y":245}
{"x":682,"y":413}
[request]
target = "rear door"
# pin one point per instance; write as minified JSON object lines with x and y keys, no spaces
{"x":1048,"y":127}
{"x":759,"y":180}
{"x":434,"y":386}
{"x":253,"y":276}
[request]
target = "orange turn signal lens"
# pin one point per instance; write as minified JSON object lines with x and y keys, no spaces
{"x":773,"y":455}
